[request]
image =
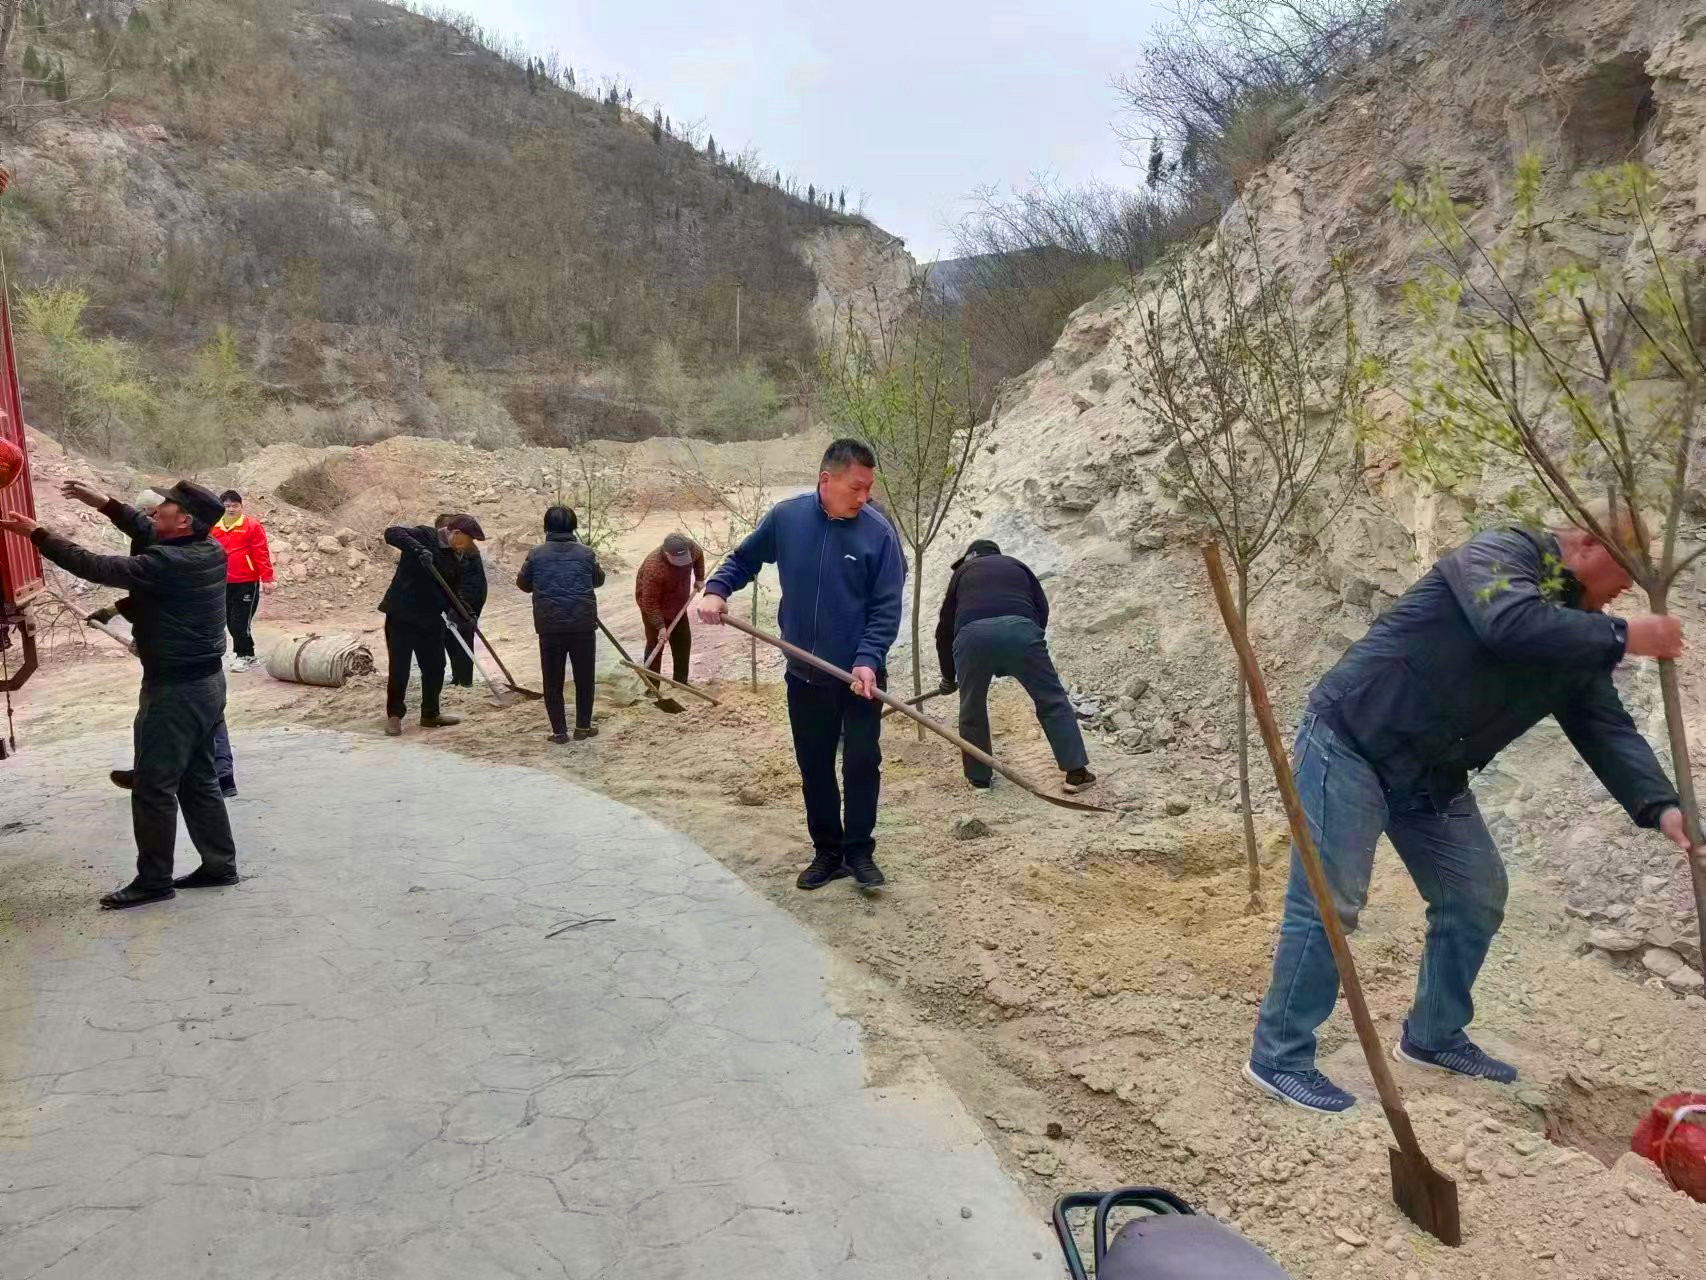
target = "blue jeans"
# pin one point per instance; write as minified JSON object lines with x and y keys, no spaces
{"x":1013,"y":647}
{"x":1449,"y":855}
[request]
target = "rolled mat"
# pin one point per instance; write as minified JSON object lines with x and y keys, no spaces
{"x":327,"y":661}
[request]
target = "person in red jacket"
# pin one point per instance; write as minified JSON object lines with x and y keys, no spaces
{"x":248,"y":572}
{"x":667,"y":579}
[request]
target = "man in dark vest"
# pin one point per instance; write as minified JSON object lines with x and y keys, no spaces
{"x":414,"y":607}
{"x":177,"y":616}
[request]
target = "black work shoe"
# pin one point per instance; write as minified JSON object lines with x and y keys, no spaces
{"x":866,"y":871}
{"x":131,"y":896}
{"x":982,"y":784}
{"x":581,"y":735}
{"x":440,"y":721}
{"x":558,"y":738}
{"x":202,"y":878}
{"x":123,"y":779}
{"x":824,"y":868}
{"x":1079,"y":780}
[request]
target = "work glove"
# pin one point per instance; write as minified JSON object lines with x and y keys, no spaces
{"x":425,"y":558}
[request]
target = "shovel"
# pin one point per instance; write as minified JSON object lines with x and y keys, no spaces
{"x":467,"y":617}
{"x":652,"y":678}
{"x":499,"y":696}
{"x":920,"y":700}
{"x":935,"y":727}
{"x":1426,"y":1196}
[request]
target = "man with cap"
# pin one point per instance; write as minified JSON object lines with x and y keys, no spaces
{"x":471,"y":591}
{"x":137,"y":523}
{"x":992,"y":623}
{"x":248,"y":572}
{"x":414,"y":606}
{"x":177,"y":613}
{"x":667,"y":579}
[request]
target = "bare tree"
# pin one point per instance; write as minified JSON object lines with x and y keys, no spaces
{"x":1592,"y":376}
{"x":741,"y":506}
{"x":1258,"y":398}
{"x":908,"y":394}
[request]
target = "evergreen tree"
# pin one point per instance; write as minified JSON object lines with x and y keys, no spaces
{"x":532,"y":79}
{"x":571,"y":77}
{"x":657,"y":128}
{"x":32,"y":62}
{"x":844,"y":200}
{"x":629,"y":97}
{"x":1157,"y":167}
{"x":711,"y":146}
{"x":811,"y":195}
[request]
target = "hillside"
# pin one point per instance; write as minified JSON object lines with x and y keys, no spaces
{"x":332,"y":221}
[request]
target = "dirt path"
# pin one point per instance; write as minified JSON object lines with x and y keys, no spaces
{"x":1087,"y":985}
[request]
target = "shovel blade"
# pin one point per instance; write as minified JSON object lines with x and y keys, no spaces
{"x":1426,"y":1196}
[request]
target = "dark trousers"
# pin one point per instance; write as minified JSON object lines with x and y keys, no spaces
{"x":822,"y":715}
{"x":577,"y":649}
{"x":1013,"y":647}
{"x":423,"y":642}
{"x":461,"y":661}
{"x":175,"y":726}
{"x":224,"y":763}
{"x":680,"y":648}
{"x":242,"y":601}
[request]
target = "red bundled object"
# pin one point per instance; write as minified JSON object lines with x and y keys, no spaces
{"x":1673,"y":1136}
{"x":11,"y":461}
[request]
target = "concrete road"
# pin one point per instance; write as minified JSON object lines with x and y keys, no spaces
{"x":369,"y":1061}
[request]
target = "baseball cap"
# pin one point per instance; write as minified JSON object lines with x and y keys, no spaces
{"x":467,"y":525}
{"x":678,"y":550}
{"x":199,"y":502}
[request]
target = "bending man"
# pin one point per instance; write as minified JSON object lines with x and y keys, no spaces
{"x":1500,"y":633}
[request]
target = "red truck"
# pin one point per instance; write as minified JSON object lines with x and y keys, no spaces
{"x":20,"y":564}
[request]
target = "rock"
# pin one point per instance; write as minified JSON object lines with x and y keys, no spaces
{"x":965,"y":1212}
{"x":1100,"y":990}
{"x":1631,"y":1228}
{"x":355,"y":559}
{"x":1343,"y":1250}
{"x":346,"y":536}
{"x":749,"y":797}
{"x":1393,"y":1243}
{"x":1662,"y":962}
{"x":1149,"y":540}
{"x":298,"y":572}
{"x":1594,"y":1047}
{"x":1686,"y":981}
{"x":969,"y":828}
{"x":1136,"y":687}
{"x":1130,"y":739}
{"x":1177,"y":806}
{"x":1101,"y":380}
{"x":1616,"y":940}
{"x":1123,"y":720}
{"x":1533,"y":1098}
{"x":1055,"y":1129}
{"x":1127,"y":702}
{"x":1508,"y":1169}
{"x":1641,"y":1176}
{"x":1455,"y":1152}
{"x":1044,"y":1164}
{"x":329,"y":545}
{"x":1007,"y":995}
{"x":1082,"y":402}
{"x":1526,"y":1144}
{"x":1351,"y":1236}
{"x":302,"y":544}
{"x":1358,"y":591}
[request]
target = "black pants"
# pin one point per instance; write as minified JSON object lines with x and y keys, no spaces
{"x":242,"y":602}
{"x":820,"y":716}
{"x":175,"y":726}
{"x":680,"y":648}
{"x":1013,"y":647}
{"x":579,"y":650}
{"x":424,"y":642}
{"x":461,"y":664}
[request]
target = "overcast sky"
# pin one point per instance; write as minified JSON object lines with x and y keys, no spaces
{"x":915,"y":104}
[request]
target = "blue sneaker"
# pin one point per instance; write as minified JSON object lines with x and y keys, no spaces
{"x":1307,"y":1089}
{"x":1467,"y":1059}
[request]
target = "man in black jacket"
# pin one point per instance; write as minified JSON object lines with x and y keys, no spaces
{"x":561,"y":574}
{"x":177,"y":615}
{"x":414,"y":606}
{"x":137,"y":524}
{"x":471,"y":591}
{"x":992,"y":623}
{"x":1500,"y":633}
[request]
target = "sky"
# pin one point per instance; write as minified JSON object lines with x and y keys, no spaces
{"x":916,"y":105}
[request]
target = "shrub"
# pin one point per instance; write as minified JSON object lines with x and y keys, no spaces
{"x":743,"y":402}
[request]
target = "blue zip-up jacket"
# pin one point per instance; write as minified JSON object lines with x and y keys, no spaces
{"x":842,"y":582}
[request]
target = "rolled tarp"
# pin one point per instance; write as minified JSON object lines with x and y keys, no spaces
{"x":324,"y":660}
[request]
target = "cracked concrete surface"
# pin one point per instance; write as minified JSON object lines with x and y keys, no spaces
{"x":368,"y":1060}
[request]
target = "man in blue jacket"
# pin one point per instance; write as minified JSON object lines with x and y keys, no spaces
{"x":842,"y":572}
{"x":1500,"y":633}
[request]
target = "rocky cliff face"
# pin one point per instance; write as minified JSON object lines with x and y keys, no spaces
{"x":1069,"y":475}
{"x":862,"y":268}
